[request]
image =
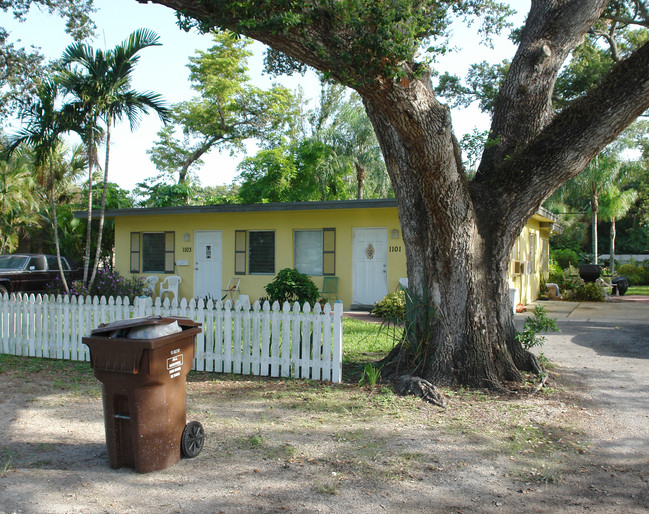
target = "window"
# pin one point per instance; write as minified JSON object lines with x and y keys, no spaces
{"x":135,"y":252}
{"x":533,"y":246}
{"x":261,"y":252}
{"x":308,"y":251}
{"x":53,"y":264}
{"x":240,"y":252}
{"x":315,"y":251}
{"x":37,"y":263}
{"x":545,"y":255}
{"x":152,"y":252}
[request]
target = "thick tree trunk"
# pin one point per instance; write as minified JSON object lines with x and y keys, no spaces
{"x":457,"y":268}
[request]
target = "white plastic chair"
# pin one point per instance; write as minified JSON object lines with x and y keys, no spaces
{"x":232,"y":289}
{"x":150,"y":283}
{"x":170,"y":285}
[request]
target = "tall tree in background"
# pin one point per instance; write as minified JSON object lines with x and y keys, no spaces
{"x":326,"y":149}
{"x":101,"y":85}
{"x":45,"y":125}
{"x":228,"y":110}
{"x":22,"y":70}
{"x":597,"y":179}
{"x":458,"y":232}
{"x":614,"y":205}
{"x":19,"y":205}
{"x":356,"y":140}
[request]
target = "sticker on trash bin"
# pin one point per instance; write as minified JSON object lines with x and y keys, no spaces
{"x":174,"y":364}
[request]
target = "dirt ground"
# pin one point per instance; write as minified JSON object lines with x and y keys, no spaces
{"x":272,"y":446}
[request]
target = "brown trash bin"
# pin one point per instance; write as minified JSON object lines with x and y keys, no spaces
{"x":143,"y":383}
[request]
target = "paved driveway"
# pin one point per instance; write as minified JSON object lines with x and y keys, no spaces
{"x":606,"y":345}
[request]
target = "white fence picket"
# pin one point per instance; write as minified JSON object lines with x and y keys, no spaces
{"x":287,"y":341}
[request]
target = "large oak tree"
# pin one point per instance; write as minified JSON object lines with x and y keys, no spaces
{"x":457,"y":232}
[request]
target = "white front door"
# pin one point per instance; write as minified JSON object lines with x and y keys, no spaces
{"x":207,"y":264}
{"x":370,"y":268}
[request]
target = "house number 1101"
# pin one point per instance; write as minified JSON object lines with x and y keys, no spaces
{"x":395,"y":249}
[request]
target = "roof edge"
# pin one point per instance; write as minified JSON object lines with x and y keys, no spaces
{"x":260,"y":207}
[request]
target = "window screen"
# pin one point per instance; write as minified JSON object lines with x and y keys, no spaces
{"x":261,"y":252}
{"x":308,"y":251}
{"x":157,"y":252}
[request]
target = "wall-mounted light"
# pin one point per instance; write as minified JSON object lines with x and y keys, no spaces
{"x":395,"y":233}
{"x":186,"y":236}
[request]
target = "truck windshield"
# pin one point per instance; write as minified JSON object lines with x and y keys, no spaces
{"x":12,"y":261}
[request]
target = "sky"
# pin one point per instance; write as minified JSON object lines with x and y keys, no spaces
{"x":162,"y":69}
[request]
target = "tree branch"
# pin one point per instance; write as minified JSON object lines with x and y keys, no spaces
{"x":577,"y":134}
{"x":524,"y":104}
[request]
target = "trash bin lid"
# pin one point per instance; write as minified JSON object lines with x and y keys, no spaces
{"x":106,"y":329}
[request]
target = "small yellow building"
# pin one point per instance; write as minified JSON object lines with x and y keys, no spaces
{"x":357,"y":241}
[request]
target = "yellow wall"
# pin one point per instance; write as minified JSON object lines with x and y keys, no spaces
{"x":528,"y":284}
{"x":284,"y":223}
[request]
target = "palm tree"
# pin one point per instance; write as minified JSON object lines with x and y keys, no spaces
{"x":19,"y":206}
{"x":102,"y":89}
{"x":614,"y":206}
{"x":598,"y":178}
{"x":45,"y":124}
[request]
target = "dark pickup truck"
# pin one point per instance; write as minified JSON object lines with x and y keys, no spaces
{"x":31,"y":272}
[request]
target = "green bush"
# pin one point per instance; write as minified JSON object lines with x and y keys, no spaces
{"x":565,"y":257}
{"x":566,"y":279}
{"x":555,"y":272}
{"x":292,"y":286}
{"x":638,"y":274}
{"x":541,"y":322}
{"x":584,"y":292}
{"x":392,"y":307}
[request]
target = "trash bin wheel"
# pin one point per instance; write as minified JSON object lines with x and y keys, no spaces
{"x":192,"y":440}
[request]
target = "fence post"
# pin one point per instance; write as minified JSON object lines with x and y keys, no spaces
{"x":337,"y":368}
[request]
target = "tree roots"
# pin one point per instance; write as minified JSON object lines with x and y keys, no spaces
{"x":407,"y":384}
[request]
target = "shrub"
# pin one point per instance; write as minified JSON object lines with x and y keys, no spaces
{"x":566,"y":279}
{"x":565,"y":257}
{"x":292,"y":286}
{"x":107,"y":283}
{"x":392,"y":307}
{"x":555,"y":272}
{"x":637,"y":274}
{"x":585,"y":292}
{"x":541,"y":322}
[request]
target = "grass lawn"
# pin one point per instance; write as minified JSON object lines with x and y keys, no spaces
{"x":638,"y":290}
{"x":365,"y":343}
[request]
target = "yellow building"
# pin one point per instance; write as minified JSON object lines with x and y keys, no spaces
{"x":530,"y":256}
{"x":357,"y":241}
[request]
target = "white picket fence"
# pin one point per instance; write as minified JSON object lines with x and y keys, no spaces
{"x":235,"y":338}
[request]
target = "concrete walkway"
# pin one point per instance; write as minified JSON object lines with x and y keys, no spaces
{"x":621,"y":309}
